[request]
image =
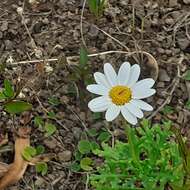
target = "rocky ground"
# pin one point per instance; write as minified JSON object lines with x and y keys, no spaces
{"x":161,"y":28}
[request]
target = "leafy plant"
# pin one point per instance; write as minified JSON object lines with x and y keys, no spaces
{"x":8,"y":97}
{"x":149,"y":160}
{"x":30,"y":152}
{"x":97,"y":7}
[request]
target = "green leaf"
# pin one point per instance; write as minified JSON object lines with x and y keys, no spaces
{"x":42,"y":168}
{"x":187,"y":105}
{"x":28,"y":153}
{"x":8,"y":91}
{"x":17,"y":106}
{"x":40,"y":149}
{"x":38,"y":121}
{"x":97,"y":115}
{"x":92,"y":132}
{"x":187,"y":75}
{"x":51,"y":114}
{"x":104,"y":136}
{"x":2,"y":96}
{"x":167,"y":110}
{"x":86,"y":163}
{"x":84,"y":146}
{"x":50,"y":129}
{"x":83,"y":57}
{"x":54,"y":101}
{"x":75,"y":167}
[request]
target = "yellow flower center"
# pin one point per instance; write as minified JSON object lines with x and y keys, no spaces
{"x":120,"y":95}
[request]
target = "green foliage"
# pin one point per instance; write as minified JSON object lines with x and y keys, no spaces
{"x":104,"y":136}
{"x":38,"y":121}
{"x":17,"y":106}
{"x":83,"y":57}
{"x":8,"y":91}
{"x":149,"y":160}
{"x":28,"y":153}
{"x":84,"y":146}
{"x":187,"y":105}
{"x":42,"y":168}
{"x":187,"y":75}
{"x":97,"y":7}
{"x":54,"y":101}
{"x":50,"y":129}
{"x":167,"y":110}
{"x":86,"y":163}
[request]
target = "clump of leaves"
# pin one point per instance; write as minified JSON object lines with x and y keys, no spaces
{"x":149,"y":160}
{"x":30,"y":152}
{"x":8,"y":98}
{"x":83,"y":156}
{"x":46,"y":127}
{"x":97,"y":7}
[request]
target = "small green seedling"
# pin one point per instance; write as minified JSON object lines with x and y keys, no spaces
{"x":8,"y":97}
{"x":97,"y":7}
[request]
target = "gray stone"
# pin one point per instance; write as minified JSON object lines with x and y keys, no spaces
{"x":163,"y":76}
{"x":186,"y":2}
{"x":65,"y":156}
{"x":183,"y":43}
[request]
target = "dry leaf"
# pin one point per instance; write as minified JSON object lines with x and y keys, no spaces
{"x":18,"y":167}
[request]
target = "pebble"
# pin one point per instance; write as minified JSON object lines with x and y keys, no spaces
{"x":9,"y":45}
{"x":93,"y":32}
{"x":65,"y":156}
{"x":183,"y":43}
{"x":186,"y":2}
{"x":163,"y":76}
{"x":173,"y":3}
{"x":50,"y":143}
{"x":4,"y":26}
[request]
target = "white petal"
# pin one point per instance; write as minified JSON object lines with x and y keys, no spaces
{"x":134,"y":75}
{"x":97,"y":89}
{"x":134,"y":110}
{"x":110,"y":73}
{"x":145,"y":83}
{"x":100,"y":78}
{"x":112,"y":112}
{"x":124,"y":73}
{"x":142,"y":93}
{"x":99,"y":104}
{"x":128,"y":116}
{"x":142,"y":105}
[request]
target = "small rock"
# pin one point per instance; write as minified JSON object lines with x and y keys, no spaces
{"x":183,"y":43}
{"x":169,"y":21}
{"x":93,"y":32}
{"x":50,"y":143}
{"x":1,"y":35}
{"x":4,"y":26}
{"x":39,"y":182}
{"x":9,"y":45}
{"x":160,"y":50}
{"x":163,"y":76}
{"x":173,"y":3}
{"x":186,"y":2}
{"x":65,"y":156}
{"x":124,"y":2}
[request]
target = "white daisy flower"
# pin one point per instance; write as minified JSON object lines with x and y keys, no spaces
{"x":121,"y":93}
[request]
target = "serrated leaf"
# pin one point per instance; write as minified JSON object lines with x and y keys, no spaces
{"x":50,"y":129}
{"x":92,"y":132}
{"x":28,"y":153}
{"x":187,"y":75}
{"x":86,"y":163}
{"x":75,"y":167}
{"x":84,"y":146}
{"x":104,"y":136}
{"x":42,"y":168}
{"x":8,"y":91}
{"x":38,"y":121}
{"x":40,"y":149}
{"x":83,"y":57}
{"x":17,"y":106}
